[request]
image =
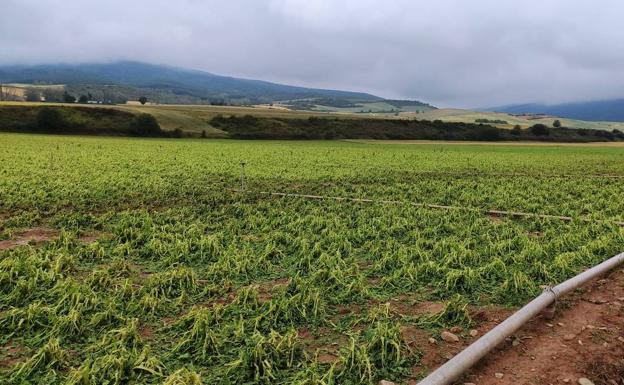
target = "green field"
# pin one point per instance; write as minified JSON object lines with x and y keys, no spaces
{"x":194,"y":118}
{"x":151,"y":269}
{"x":468,"y":116}
{"x":197,"y":118}
{"x":373,"y":108}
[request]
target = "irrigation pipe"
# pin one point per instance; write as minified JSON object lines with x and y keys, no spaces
{"x":496,"y":174}
{"x":463,"y":361}
{"x":514,"y":214}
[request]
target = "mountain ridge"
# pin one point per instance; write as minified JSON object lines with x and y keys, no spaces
{"x":190,"y":82}
{"x":610,"y":110}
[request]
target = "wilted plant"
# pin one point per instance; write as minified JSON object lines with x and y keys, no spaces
{"x":50,"y":357}
{"x":183,"y":376}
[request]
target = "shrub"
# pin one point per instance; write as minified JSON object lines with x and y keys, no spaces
{"x":49,"y":119}
{"x":487,"y":133}
{"x":540,"y":130}
{"x":68,"y":98}
{"x":145,"y":125}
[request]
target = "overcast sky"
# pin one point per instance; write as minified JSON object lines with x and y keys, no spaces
{"x":466,"y":53}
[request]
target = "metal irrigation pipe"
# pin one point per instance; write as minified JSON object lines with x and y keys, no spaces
{"x":463,"y":361}
{"x":514,"y":214}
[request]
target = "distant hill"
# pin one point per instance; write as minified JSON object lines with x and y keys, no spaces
{"x":604,"y":110}
{"x":165,"y":84}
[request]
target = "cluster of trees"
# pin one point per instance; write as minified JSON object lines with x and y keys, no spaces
{"x":491,"y":121}
{"x":251,"y":127}
{"x":80,"y":120}
{"x":82,"y":99}
{"x":78,"y":94}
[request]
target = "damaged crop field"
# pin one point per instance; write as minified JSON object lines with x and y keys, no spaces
{"x":160,"y":261}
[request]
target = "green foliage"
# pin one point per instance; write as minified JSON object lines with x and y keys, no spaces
{"x":50,"y":119}
{"x":145,"y":125}
{"x":160,"y":273}
{"x":78,"y":120}
{"x":183,"y":376}
{"x":540,"y":130}
{"x":50,"y":357}
{"x":455,"y":313}
{"x":253,"y":127}
{"x":68,"y":98}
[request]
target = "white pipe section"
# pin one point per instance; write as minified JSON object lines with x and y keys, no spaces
{"x":463,"y":361}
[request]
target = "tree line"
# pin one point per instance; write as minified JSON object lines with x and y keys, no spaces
{"x":251,"y":127}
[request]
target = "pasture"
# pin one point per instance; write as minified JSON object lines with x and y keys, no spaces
{"x":468,"y":116}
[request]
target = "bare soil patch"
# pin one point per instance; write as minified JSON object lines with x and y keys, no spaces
{"x":324,"y":343}
{"x":11,"y":355}
{"x":30,"y":236}
{"x":146,"y":332}
{"x":94,"y":237}
{"x":584,"y":339}
{"x":436,"y":352}
{"x":39,"y":235}
{"x":265,"y":289}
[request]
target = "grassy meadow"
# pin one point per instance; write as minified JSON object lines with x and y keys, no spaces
{"x":468,"y":116}
{"x":193,"y":118}
{"x":196,"y":118}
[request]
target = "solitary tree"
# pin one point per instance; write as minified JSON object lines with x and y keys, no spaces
{"x":143,"y":100}
{"x":83,"y":99}
{"x":557,"y":123}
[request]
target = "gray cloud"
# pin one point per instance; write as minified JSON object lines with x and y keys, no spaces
{"x":448,"y":52}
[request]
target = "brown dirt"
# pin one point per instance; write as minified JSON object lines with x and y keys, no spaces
{"x":584,"y":339}
{"x":35,"y":235}
{"x":410,"y":308}
{"x":146,"y":332}
{"x":403,"y":305}
{"x":265,"y":289}
{"x":436,"y":352}
{"x":95,"y":236}
{"x":39,"y":235}
{"x":11,"y":355}
{"x":496,"y":219}
{"x":324,"y":343}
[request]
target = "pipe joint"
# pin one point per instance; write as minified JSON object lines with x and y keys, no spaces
{"x":552,"y":290}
